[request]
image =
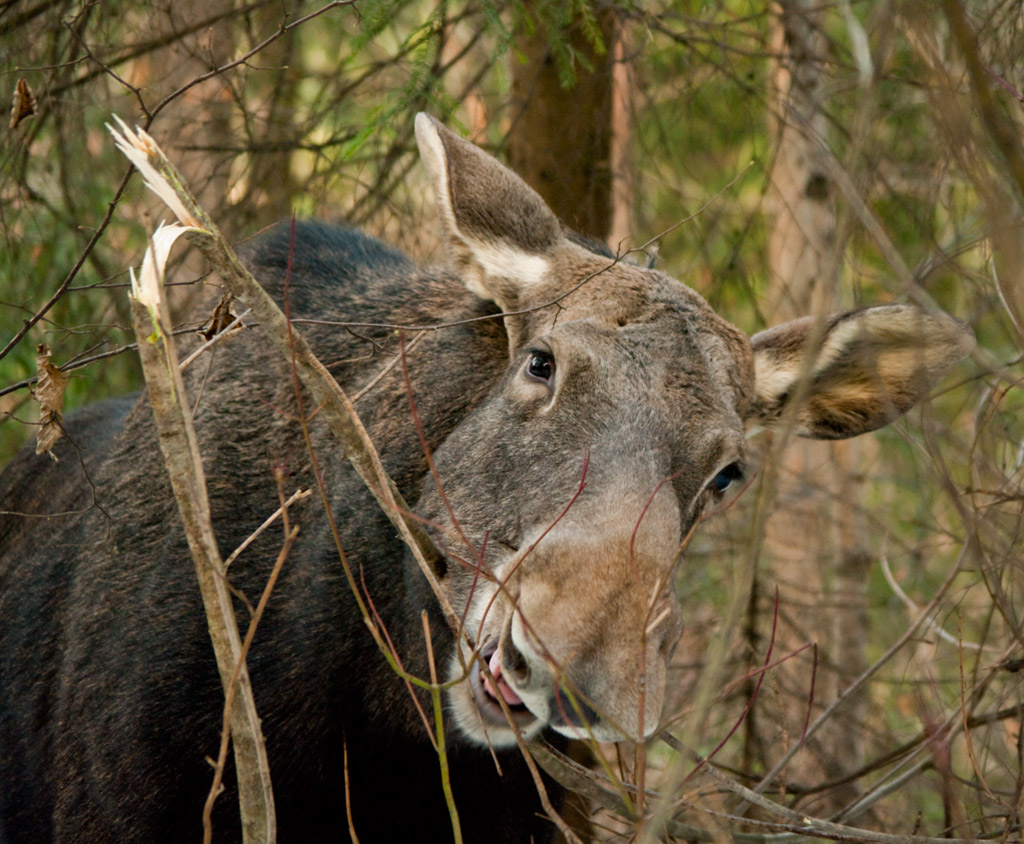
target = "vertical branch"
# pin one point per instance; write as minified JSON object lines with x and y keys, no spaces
{"x":804,"y":225}
{"x":827,"y":560}
{"x":184,"y":467}
{"x":1002,"y":191}
{"x":290,"y":533}
{"x":1002,"y":132}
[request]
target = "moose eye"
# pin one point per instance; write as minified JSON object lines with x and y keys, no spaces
{"x":724,"y":479}
{"x":541,"y":365}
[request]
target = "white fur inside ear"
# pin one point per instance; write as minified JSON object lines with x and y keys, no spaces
{"x":436,"y":163}
{"x":902,"y":338}
{"x":773,"y":377}
{"x":899,"y":326}
{"x":479,"y":262}
{"x":845,"y":336}
{"x":498,"y":260}
{"x":872,"y":365}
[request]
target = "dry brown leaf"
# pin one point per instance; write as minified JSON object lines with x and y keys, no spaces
{"x":49,"y":392}
{"x":25,"y":103}
{"x":222,"y":317}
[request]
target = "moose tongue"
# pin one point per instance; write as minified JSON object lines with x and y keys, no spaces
{"x":504,"y":690}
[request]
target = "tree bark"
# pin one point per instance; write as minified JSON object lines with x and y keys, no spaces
{"x":814,"y":545}
{"x":560,"y":137}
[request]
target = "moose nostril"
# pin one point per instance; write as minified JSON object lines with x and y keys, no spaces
{"x":667,"y":646}
{"x":514,"y":663}
{"x":572,"y":710}
{"x":669,"y":632}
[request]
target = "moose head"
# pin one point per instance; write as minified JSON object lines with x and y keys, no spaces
{"x":563,"y":500}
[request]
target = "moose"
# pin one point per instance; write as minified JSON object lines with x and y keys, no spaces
{"x":557,"y":434}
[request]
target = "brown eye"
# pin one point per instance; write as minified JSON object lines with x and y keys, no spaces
{"x":540,"y":366}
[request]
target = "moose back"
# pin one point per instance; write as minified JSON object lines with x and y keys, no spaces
{"x":558,"y":438}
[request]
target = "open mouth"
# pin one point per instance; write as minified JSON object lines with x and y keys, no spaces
{"x":486,"y":695}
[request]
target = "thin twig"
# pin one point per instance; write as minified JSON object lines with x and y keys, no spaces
{"x":442,"y":751}
{"x":860,"y":681}
{"x":914,"y":610}
{"x":298,"y":495}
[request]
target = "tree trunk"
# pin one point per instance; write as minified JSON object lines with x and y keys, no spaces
{"x":560,"y":137}
{"x":813,"y":546}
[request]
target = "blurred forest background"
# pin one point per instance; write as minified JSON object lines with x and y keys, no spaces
{"x":854,"y":648}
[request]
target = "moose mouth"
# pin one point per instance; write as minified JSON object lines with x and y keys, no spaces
{"x":487,"y":695}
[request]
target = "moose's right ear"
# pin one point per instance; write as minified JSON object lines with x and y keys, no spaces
{"x":497,"y":229}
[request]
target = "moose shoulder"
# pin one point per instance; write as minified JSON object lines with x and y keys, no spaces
{"x":579,"y":412}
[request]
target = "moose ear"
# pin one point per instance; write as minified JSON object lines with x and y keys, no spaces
{"x":497,"y":230}
{"x":868,"y":367}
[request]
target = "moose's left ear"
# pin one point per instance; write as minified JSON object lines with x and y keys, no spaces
{"x":498,"y":232}
{"x":870,"y":366}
